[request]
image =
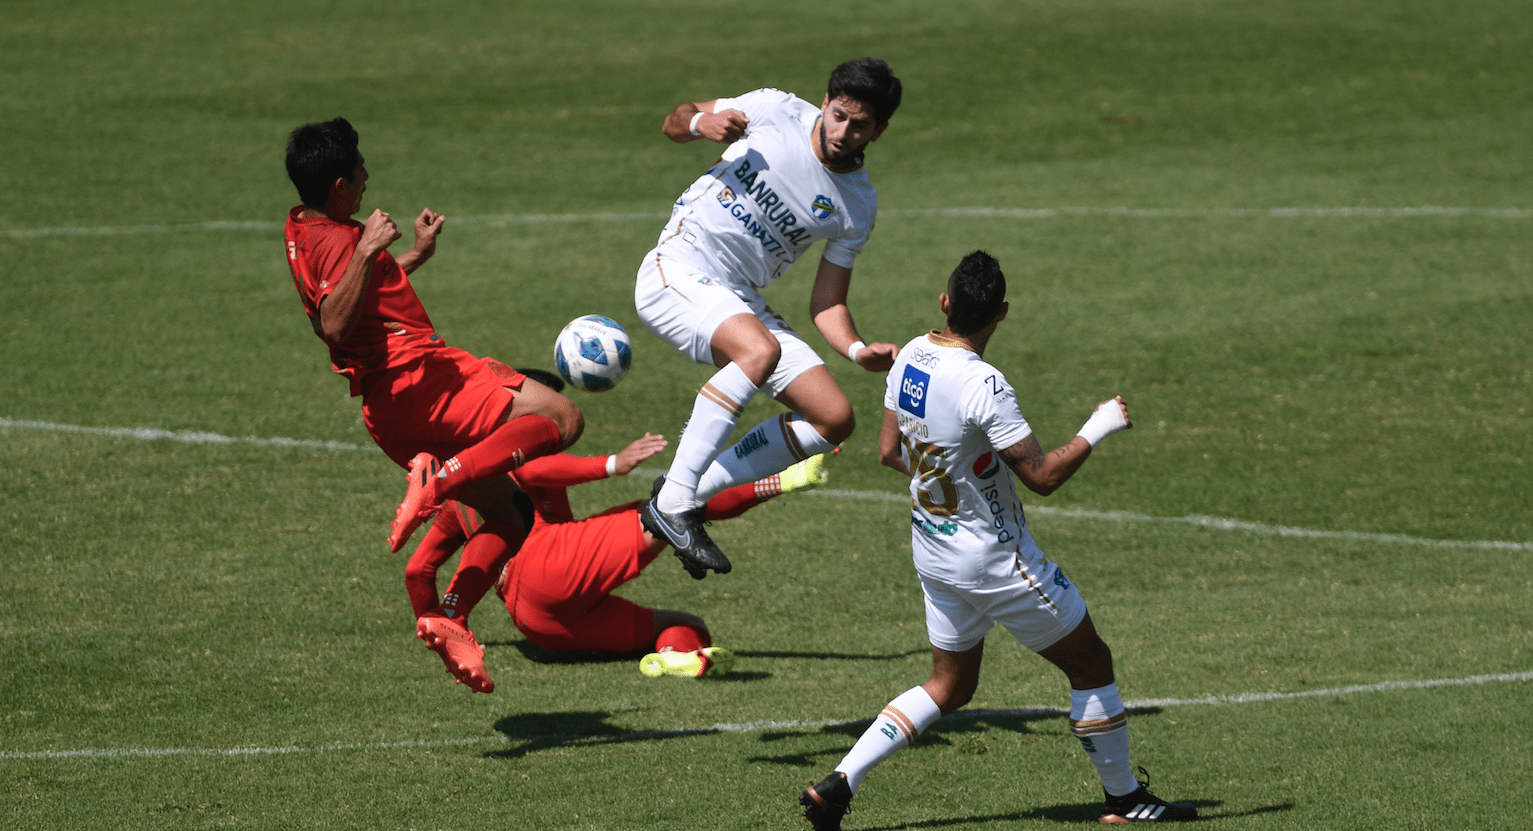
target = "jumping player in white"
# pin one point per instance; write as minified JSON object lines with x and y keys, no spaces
{"x":952,"y":423}
{"x":792,"y":174}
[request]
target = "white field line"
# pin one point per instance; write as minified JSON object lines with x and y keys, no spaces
{"x":1005,"y":213}
{"x":750,"y":727}
{"x":182,"y":436}
{"x":1212,"y":523}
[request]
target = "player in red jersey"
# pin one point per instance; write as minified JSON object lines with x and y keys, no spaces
{"x":559,"y":588}
{"x":422,"y":401}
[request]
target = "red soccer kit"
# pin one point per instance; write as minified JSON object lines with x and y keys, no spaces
{"x":559,"y":588}
{"x":418,"y":393}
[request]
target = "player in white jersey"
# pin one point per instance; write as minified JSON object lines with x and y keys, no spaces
{"x":952,"y":423}
{"x":792,"y":175}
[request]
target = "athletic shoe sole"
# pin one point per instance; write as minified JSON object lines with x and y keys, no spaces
{"x":460,"y":653}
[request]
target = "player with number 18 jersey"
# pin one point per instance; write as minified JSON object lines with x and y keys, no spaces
{"x":968,"y":529}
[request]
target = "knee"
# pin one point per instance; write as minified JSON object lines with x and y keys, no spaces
{"x":667,"y":618}
{"x":419,"y":570}
{"x":839,"y":426}
{"x":831,"y":419}
{"x":759,"y":360}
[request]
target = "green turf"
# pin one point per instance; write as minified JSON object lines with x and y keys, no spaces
{"x":210,"y":634}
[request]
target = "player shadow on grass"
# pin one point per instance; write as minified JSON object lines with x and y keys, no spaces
{"x":532,"y":732}
{"x":831,"y":656}
{"x":1073,"y":814}
{"x":538,"y":655}
{"x":961,"y":729}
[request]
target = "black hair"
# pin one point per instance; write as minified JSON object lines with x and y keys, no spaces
{"x":544,"y":377}
{"x":869,"y":81}
{"x":976,"y":290}
{"x":317,"y":155}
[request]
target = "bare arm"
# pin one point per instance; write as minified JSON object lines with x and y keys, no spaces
{"x":427,"y":226}
{"x":889,"y":444}
{"x":340,"y":310}
{"x":828,"y":309}
{"x":1043,"y":473}
{"x":721,"y":128}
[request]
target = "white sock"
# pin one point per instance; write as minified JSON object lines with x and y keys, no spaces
{"x":1098,"y":719}
{"x":904,"y":718}
{"x":770,"y":447}
{"x":714,"y":414}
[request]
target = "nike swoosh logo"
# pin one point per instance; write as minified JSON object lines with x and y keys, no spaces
{"x":678,"y":539}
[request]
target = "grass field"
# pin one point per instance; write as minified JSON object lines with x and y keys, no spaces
{"x":1296,"y":237}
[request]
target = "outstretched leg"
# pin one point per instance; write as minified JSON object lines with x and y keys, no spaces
{"x":1100,"y":721}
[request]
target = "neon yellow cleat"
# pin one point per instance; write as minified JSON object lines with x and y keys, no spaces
{"x":710,"y":660}
{"x":810,"y":473}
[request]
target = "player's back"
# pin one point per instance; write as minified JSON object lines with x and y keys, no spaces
{"x":954,"y":410}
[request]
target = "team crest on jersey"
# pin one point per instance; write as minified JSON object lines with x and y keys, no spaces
{"x":822,"y":206}
{"x":726,"y":195}
{"x":913,"y":391}
{"x":987,"y":466}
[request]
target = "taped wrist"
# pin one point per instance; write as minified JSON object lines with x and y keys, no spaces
{"x":1107,"y":419}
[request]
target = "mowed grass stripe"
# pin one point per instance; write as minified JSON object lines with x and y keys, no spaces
{"x":752,"y":727}
{"x":1426,"y":211}
{"x":1201,"y":521}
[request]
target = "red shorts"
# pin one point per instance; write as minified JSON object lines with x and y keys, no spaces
{"x":559,"y":588}
{"x":441,"y":404}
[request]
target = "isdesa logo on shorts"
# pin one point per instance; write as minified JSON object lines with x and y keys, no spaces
{"x":913,"y":388}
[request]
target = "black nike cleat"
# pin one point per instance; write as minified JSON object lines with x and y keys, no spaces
{"x":685,"y":533}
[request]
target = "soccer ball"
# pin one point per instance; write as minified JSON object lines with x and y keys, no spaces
{"x":593,"y":353}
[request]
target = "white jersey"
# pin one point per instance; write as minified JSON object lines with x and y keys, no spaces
{"x":967,"y":525}
{"x":768,"y":199}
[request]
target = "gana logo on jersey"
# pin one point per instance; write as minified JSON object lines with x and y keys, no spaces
{"x":913,"y":391}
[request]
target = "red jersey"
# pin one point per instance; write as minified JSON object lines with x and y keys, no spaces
{"x":393,"y":327}
{"x":547,"y":478}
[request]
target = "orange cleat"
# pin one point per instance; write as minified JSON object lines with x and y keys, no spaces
{"x":462,"y":654}
{"x":421,"y":501}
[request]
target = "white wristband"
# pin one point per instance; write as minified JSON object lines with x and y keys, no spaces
{"x":693,"y":126}
{"x":1107,"y":419}
{"x":611,"y":465}
{"x":851,"y":351}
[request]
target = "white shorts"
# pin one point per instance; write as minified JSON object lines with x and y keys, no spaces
{"x":1037,"y":611}
{"x":684,"y":307}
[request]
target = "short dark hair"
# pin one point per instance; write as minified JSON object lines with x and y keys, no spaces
{"x":976,"y":291}
{"x":544,"y":377}
{"x":317,"y":155}
{"x":869,"y":81}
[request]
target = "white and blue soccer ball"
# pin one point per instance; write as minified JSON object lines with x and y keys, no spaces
{"x":593,"y":353}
